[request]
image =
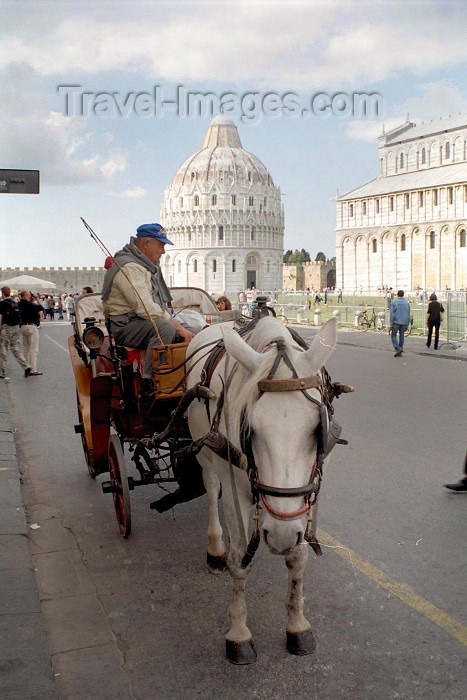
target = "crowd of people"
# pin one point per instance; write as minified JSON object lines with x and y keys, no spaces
{"x":20,"y":318}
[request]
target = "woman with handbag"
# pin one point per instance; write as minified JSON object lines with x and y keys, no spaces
{"x":434,"y":316}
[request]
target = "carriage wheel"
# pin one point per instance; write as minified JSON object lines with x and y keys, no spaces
{"x":119,"y":483}
{"x":88,"y":454}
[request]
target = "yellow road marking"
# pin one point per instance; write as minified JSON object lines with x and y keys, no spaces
{"x":440,"y":618}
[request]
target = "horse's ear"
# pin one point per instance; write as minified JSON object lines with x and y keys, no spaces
{"x":323,"y":344}
{"x":240,"y":351}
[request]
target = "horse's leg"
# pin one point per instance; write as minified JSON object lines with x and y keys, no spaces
{"x":216,"y":557}
{"x":299,"y":637}
{"x":237,"y":506}
{"x":238,"y":641}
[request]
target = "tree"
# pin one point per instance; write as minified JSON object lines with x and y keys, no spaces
{"x":320,"y":257}
{"x":287,"y":254}
{"x":306,"y":255}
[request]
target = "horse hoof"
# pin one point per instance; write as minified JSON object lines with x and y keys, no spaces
{"x":240,"y":652}
{"x":300,"y":643}
{"x":216,"y":564}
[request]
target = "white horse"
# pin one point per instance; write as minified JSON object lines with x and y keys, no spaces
{"x":272,"y":433}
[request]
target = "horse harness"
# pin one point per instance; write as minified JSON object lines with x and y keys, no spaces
{"x":328,"y":432}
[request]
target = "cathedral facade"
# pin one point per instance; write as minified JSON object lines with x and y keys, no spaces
{"x":407,"y":228}
{"x":224,"y":215}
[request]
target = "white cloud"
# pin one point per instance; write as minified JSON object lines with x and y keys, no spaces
{"x":60,"y":147}
{"x":290,"y":44}
{"x":137,"y":192}
{"x":438,"y":100}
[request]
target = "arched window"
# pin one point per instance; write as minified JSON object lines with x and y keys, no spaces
{"x":179,"y":266}
{"x":188,"y":231}
{"x":423,"y":156}
{"x":181,"y":202}
{"x":374,"y":245}
{"x":350,"y":209}
{"x":214,"y":265}
{"x":403,"y":241}
{"x":234,"y":265}
{"x":448,"y":149}
{"x":250,"y":201}
{"x":364,"y":208}
{"x":450,"y":195}
{"x":221,"y":233}
{"x":251,"y":260}
{"x":462,"y":238}
{"x":407,"y":200}
{"x":402,"y":160}
{"x":195,"y":265}
{"x":432,"y":239}
{"x":214,"y":199}
{"x":252,"y":233}
{"x":234,"y":199}
{"x":196,"y":200}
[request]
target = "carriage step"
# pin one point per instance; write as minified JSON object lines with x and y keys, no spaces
{"x":108,"y":487}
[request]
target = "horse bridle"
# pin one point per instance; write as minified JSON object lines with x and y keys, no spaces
{"x":260,"y":490}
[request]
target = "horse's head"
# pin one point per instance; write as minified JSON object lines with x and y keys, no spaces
{"x":276,"y":404}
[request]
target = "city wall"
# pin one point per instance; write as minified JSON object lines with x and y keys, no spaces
{"x":67,"y":279}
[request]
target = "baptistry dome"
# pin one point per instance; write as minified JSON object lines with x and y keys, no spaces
{"x":224,"y":215}
{"x":222,"y":158}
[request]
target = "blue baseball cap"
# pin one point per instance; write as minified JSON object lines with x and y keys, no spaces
{"x":152,"y":231}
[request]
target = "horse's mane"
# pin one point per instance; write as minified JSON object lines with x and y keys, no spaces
{"x":244,"y":388}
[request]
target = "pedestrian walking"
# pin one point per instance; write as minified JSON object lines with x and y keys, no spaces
{"x":399,"y":321}
{"x":434,"y":316}
{"x":10,"y":319}
{"x":69,"y":306}
{"x":460,"y":486}
{"x":30,"y":321}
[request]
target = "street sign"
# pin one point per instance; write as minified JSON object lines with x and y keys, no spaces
{"x":19,"y":181}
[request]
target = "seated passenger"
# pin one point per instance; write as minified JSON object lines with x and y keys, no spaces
{"x":134,"y":290}
{"x":223,"y":304}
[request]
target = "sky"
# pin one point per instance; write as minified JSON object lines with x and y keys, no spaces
{"x":276,"y":67}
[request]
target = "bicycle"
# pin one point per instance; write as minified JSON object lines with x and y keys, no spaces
{"x":365,"y":322}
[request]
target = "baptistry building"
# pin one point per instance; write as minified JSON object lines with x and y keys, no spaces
{"x":406,"y":229}
{"x":224,"y":215}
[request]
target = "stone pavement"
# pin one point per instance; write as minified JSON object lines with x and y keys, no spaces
{"x":25,"y":661}
{"x":25,"y":668}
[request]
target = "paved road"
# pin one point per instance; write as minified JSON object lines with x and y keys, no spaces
{"x":143,"y":619}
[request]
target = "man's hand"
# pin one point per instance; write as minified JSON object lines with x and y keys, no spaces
{"x":182,"y":332}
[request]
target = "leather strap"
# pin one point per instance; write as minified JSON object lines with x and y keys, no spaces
{"x":298,"y":384}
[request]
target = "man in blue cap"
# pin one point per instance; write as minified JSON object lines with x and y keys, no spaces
{"x":134,"y":291}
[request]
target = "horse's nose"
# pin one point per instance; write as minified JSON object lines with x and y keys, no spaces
{"x":299,"y":539}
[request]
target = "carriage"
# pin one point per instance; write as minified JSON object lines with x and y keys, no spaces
{"x":202,"y":431}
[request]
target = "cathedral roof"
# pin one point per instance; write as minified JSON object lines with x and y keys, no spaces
{"x":418,"y":179}
{"x":222,"y":159}
{"x":430,"y":129}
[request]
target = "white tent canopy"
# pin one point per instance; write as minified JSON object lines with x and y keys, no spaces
{"x":27,"y":282}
